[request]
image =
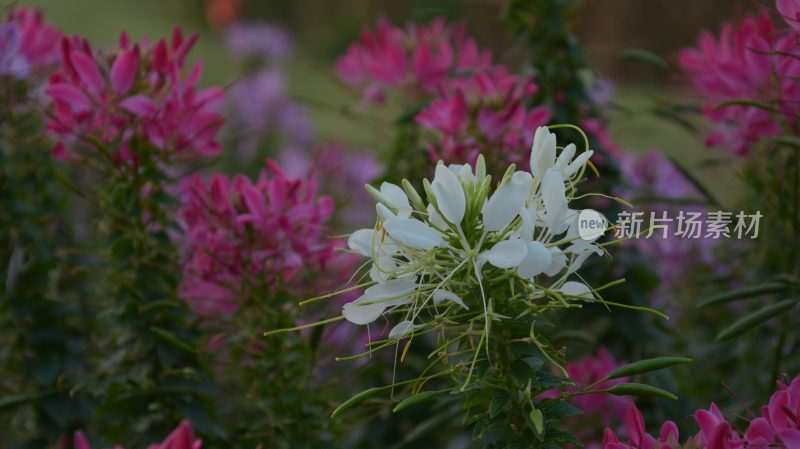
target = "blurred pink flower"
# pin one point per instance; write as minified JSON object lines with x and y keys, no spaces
{"x":242,"y":235}
{"x":180,"y":438}
{"x":136,"y":96}
{"x":27,"y":43}
{"x":782,"y":414}
{"x":418,"y":58}
{"x":486,"y":112}
{"x":638,"y":438}
{"x":778,"y":427}
{"x":750,"y":61}
{"x":342,"y":173}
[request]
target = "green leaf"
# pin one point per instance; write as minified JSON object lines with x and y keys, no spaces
{"x":12,"y":401}
{"x":748,"y":103}
{"x":756,"y":318}
{"x":647,"y":57}
{"x":647,"y":365}
{"x":355,"y":400}
{"x":537,"y":417}
{"x":414,"y":400}
{"x":631,"y":389}
{"x":743,"y":293}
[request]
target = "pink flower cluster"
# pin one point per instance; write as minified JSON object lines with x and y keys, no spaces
{"x":136,"y":97}
{"x":777,"y":427}
{"x":242,"y":235}
{"x":180,"y":438}
{"x":27,"y":43}
{"x":485,"y":111}
{"x":418,"y":58}
{"x":752,"y":61}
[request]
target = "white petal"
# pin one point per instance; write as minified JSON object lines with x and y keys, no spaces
{"x":505,"y":254}
{"x":413,"y":233}
{"x":528,"y":215}
{"x":565,"y":158}
{"x":377,"y":298}
{"x":558,"y":262}
{"x":398,"y":199}
{"x":543,"y":152}
{"x":505,"y":203}
{"x":449,"y":194}
{"x":361,"y":241}
{"x":384,"y":212}
{"x":434,"y":217}
{"x":463,"y":172}
{"x":577,"y":163}
{"x":572,"y":288}
{"x":383,"y":268}
{"x":446,"y":295}
{"x":357,"y":312}
{"x":555,"y":201}
{"x":536,"y":261}
{"x":402,"y":329}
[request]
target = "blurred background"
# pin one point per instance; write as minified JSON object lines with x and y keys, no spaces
{"x":321,"y":29}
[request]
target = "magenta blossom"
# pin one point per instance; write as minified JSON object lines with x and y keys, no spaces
{"x":418,"y":58}
{"x":180,"y":438}
{"x":777,"y":428}
{"x":27,"y":43}
{"x":244,"y":235}
{"x":484,"y":112}
{"x":638,"y":438}
{"x":753,"y":62}
{"x":136,"y":97}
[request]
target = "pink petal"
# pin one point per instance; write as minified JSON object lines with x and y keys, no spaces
{"x":139,"y":105}
{"x":123,"y":72}
{"x":88,"y":71}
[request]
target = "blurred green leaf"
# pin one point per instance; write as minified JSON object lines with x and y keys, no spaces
{"x":647,"y":365}
{"x":416,"y":399}
{"x":633,"y":389}
{"x":743,"y":293}
{"x":756,"y":318}
{"x":644,"y":56}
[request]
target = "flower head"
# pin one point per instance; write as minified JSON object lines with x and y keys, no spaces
{"x":432,"y":258}
{"x":418,"y":58}
{"x":753,"y":62}
{"x":27,"y":43}
{"x":487,"y":109}
{"x":244,"y":235}
{"x":136,"y":97}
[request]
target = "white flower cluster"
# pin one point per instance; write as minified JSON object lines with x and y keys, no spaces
{"x":428,"y":256}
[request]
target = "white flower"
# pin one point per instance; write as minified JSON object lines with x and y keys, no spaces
{"x":429,"y":258}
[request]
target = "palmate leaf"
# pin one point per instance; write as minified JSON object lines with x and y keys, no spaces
{"x":754,"y":319}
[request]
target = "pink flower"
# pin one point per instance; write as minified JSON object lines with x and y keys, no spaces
{"x":790,"y":10}
{"x":418,"y":58}
{"x":243,"y":235}
{"x":749,"y":61}
{"x":638,"y":438}
{"x":487,"y":112}
{"x":180,"y":438}
{"x":782,"y":413}
{"x":715,"y":431}
{"x":136,"y":98}
{"x":27,"y":43}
